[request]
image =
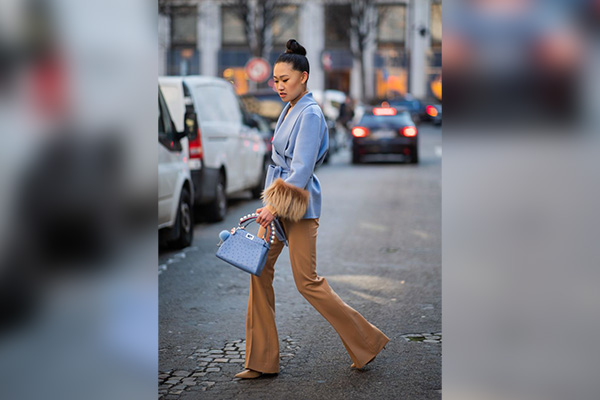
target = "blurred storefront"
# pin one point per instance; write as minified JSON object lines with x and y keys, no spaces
{"x":391,"y":59}
{"x":183,"y":55}
{"x":402,"y":54}
{"x":435,"y":53}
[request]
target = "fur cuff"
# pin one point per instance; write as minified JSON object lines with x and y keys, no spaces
{"x":288,"y":200}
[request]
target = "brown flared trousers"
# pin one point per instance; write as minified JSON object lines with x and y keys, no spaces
{"x":362,"y":339}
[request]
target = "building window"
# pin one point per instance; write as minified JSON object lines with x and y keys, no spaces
{"x":392,"y":24}
{"x":285,"y":24}
{"x":183,"y":58}
{"x":233,"y":31}
{"x":184,"y":26}
{"x":337,"y":24}
{"x":436,"y":26}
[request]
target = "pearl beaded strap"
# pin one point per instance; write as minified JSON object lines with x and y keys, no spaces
{"x":254,"y":215}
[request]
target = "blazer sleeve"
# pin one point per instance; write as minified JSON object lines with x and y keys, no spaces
{"x":306,"y":149}
{"x":290,"y":197}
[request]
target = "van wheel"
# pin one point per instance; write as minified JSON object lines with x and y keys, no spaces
{"x":184,"y":225}
{"x":257,"y":191}
{"x":217,"y":210}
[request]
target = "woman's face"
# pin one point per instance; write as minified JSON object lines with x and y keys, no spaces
{"x":289,"y":83}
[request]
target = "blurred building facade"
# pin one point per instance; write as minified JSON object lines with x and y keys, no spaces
{"x":401,"y":42}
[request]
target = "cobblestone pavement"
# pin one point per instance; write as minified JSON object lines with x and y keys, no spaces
{"x":213,"y":366}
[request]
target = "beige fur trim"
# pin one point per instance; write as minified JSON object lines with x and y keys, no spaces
{"x":288,"y":200}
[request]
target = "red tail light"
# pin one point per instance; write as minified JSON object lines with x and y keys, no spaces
{"x":409,"y":131}
{"x":384,"y":111}
{"x":196,"y":147}
{"x":359,"y":131}
{"x":431,"y":111}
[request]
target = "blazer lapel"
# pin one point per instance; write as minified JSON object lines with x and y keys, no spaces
{"x":283,"y":112}
{"x":283,"y":129}
{"x":288,"y":122}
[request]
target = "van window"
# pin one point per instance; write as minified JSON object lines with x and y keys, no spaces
{"x":216,"y":103}
{"x":161,"y":122}
{"x":165,"y":127}
{"x":164,"y":122}
{"x":173,"y":97}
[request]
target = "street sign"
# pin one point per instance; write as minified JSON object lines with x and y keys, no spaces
{"x":258,"y":69}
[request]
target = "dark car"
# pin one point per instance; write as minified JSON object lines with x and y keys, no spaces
{"x":388,"y":131}
{"x":414,"y":106}
{"x":427,"y":110}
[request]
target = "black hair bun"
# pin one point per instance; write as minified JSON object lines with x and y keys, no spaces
{"x":292,"y":46}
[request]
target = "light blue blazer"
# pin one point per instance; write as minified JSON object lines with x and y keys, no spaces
{"x":300,"y":144}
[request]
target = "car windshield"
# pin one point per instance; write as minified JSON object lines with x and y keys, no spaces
{"x":267,"y":106}
{"x":386,"y":121}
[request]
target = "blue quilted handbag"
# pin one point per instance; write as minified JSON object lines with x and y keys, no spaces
{"x":246,"y":251}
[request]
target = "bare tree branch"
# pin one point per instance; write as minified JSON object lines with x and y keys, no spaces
{"x":258,"y":17}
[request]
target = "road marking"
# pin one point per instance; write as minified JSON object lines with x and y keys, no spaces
{"x":175,"y":259}
{"x":374,"y":227}
{"x":374,"y":299}
{"x":421,"y":234}
{"x":161,"y":268}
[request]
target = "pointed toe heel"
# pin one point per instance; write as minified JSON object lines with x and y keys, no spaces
{"x":248,"y":374}
{"x":354,"y":365}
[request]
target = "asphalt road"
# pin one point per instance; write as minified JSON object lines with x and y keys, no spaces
{"x":379,"y":246}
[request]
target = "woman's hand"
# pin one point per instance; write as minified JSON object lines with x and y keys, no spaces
{"x":265,"y":217}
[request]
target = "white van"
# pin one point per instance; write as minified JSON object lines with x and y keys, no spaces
{"x":175,"y":188}
{"x":229,"y":154}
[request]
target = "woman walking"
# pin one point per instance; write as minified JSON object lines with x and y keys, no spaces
{"x":293,"y":194}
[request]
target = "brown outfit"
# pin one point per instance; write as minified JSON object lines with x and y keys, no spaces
{"x":362,"y":339}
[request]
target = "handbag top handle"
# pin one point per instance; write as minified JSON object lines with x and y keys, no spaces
{"x":246,"y":219}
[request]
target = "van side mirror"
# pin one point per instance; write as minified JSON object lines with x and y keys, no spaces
{"x":191,"y":125}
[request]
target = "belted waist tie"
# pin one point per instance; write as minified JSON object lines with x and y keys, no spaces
{"x":277,"y":171}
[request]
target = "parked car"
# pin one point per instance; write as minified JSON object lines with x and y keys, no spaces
{"x":331,"y":102}
{"x":266,"y":103}
{"x":334,"y":144}
{"x":229,"y":155}
{"x":175,"y":189}
{"x":385,"y":130}
{"x":264,"y":128}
